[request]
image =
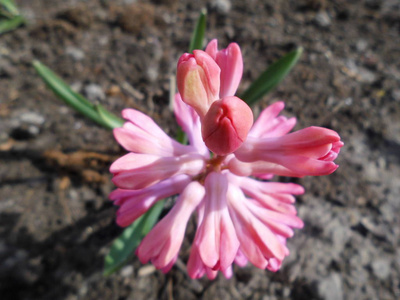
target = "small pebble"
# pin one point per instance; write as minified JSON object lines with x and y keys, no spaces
{"x":381,"y":268}
{"x":94,"y":92}
{"x":76,"y":53}
{"x":322,"y":19}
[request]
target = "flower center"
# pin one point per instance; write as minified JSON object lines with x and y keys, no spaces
{"x":214,"y":164}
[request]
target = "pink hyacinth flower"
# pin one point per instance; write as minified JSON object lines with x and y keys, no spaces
{"x":240,"y":219}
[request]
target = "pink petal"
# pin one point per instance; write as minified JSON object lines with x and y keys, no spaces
{"x":274,"y":196}
{"x":161,"y":245}
{"x":195,"y":266}
{"x":241,"y":259}
{"x":268,"y":124}
{"x":137,"y":140}
{"x":198,"y":80}
{"x":216,"y":238}
{"x":240,"y":168}
{"x":212,"y":49}
{"x":189,"y":120}
{"x":231,"y":63}
{"x":299,"y":152}
{"x":257,"y":241}
{"x":136,"y":171}
{"x":134,"y":203}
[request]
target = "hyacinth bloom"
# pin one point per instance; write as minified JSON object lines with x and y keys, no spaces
{"x":239,"y":218}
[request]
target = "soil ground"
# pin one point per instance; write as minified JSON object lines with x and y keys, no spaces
{"x":56,"y":223}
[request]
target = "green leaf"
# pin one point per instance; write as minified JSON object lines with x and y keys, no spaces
{"x":95,"y":112}
{"x":11,"y":24}
{"x":124,"y":246}
{"x":197,"y":39}
{"x":10,"y":6}
{"x":271,"y":77}
{"x":112,"y":120}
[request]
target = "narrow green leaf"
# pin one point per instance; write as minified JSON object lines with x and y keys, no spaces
{"x":75,"y":100}
{"x":271,"y":77}
{"x":11,"y":24}
{"x":197,"y":39}
{"x":124,"y":246}
{"x":152,"y":217}
{"x":10,"y":6}
{"x":112,"y":120}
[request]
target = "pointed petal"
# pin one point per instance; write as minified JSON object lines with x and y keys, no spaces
{"x":189,"y":120}
{"x":161,"y":245}
{"x":231,"y":63}
{"x":136,"y":171}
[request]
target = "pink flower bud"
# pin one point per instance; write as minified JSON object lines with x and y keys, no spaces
{"x":231,"y":63}
{"x":226,"y":125}
{"x":198,"y":79}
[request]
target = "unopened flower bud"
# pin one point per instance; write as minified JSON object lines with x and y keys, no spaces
{"x":226,"y":125}
{"x":198,"y":79}
{"x":231,"y":63}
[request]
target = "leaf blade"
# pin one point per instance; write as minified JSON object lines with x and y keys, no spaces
{"x":11,"y":24}
{"x":271,"y":77}
{"x":112,"y":120}
{"x":75,"y":100}
{"x":123,"y":247}
{"x":196,"y":42}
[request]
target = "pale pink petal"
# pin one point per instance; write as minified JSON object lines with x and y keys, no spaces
{"x":198,"y":80}
{"x":211,"y":274}
{"x":136,"y":140}
{"x":216,"y":238}
{"x":257,"y":241}
{"x":136,"y":171}
{"x":161,"y":245}
{"x":299,"y":152}
{"x":241,"y":259}
{"x":134,"y":203}
{"x":189,"y":121}
{"x":195,"y":266}
{"x":168,"y":267}
{"x":228,"y":272}
{"x":231,"y":63}
{"x":275,"y":196}
{"x":256,"y":168}
{"x":268,"y":124}
{"x":212,"y":48}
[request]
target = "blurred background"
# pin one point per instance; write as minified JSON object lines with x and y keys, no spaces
{"x":56,"y":224}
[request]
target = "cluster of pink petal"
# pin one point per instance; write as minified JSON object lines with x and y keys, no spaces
{"x":240,"y":219}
